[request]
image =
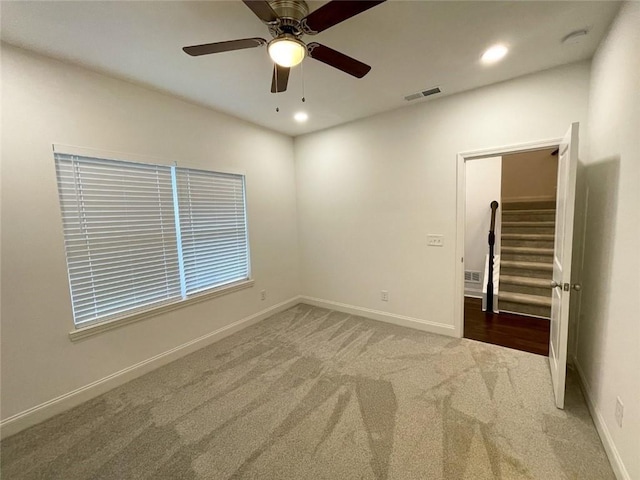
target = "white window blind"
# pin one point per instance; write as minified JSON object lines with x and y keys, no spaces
{"x":137,"y":235}
{"x":120,"y":235}
{"x":213,"y":228}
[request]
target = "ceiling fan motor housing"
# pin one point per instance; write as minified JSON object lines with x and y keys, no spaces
{"x":290,"y":13}
{"x":290,"y":9}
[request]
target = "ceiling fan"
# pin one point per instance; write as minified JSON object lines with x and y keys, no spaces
{"x":288,"y":21}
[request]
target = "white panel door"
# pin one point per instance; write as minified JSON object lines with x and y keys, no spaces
{"x":565,"y":203}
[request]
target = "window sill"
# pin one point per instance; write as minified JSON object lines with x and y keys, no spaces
{"x":96,"y":328}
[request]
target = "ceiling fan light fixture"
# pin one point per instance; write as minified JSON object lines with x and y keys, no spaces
{"x":287,"y":51}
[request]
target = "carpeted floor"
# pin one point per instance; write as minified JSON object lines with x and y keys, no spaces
{"x":315,"y":394}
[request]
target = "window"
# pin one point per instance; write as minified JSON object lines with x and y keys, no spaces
{"x":140,"y":235}
{"x":213,"y":228}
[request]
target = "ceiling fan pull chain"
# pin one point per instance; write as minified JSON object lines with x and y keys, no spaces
{"x":275,"y":72}
{"x":302,"y":75}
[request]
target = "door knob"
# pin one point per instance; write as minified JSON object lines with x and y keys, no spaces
{"x":555,"y":284}
{"x":576,"y":286}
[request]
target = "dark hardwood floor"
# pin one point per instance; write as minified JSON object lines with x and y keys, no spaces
{"x":529,"y":334}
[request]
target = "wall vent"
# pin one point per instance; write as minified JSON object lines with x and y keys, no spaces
{"x":424,"y":93}
{"x":471,"y":276}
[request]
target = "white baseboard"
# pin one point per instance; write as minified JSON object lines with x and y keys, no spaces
{"x":473,"y":292}
{"x":617,"y":464}
{"x":46,"y":410}
{"x":403,"y":321}
{"x":523,"y":314}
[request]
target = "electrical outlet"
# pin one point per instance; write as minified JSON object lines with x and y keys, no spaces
{"x":384,"y":296}
{"x":263,"y":294}
{"x":434,"y":240}
{"x":619,"y":411}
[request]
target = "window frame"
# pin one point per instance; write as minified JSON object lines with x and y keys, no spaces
{"x":116,"y":320}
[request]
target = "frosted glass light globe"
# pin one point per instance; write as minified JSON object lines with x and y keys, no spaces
{"x":287,"y":51}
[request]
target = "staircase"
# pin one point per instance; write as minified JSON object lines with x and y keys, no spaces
{"x":526,"y":258}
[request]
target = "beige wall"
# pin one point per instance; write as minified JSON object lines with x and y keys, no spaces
{"x":369,"y":192}
{"x":529,"y":176}
{"x":46,"y":102}
{"x":608,"y":346}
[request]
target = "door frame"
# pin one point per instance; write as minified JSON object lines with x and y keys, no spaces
{"x":463,"y":157}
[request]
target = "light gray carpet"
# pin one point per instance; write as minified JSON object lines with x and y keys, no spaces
{"x":315,"y":394}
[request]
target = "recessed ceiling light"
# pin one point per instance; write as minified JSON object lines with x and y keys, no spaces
{"x":301,"y":117}
{"x":493,"y":54}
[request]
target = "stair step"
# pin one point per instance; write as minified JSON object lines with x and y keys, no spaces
{"x":535,"y":305}
{"x":524,"y":299}
{"x":526,"y":285}
{"x":527,"y":243}
{"x":518,"y":257}
{"x":524,"y":289}
{"x":527,"y":250}
{"x":531,"y":282}
{"x":536,"y":240}
{"x":526,"y":254}
{"x":548,"y":237}
{"x":536,"y":211}
{"x":526,"y":269}
{"x":528,"y":215}
{"x":523,"y":309}
{"x":542,"y":228}
{"x":529,"y":224}
{"x":547,"y":267}
{"x":528,"y":205}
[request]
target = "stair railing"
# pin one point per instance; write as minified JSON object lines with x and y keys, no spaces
{"x":492,"y":242}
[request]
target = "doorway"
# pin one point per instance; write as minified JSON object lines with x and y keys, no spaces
{"x":523,"y":182}
{"x":565,"y":278}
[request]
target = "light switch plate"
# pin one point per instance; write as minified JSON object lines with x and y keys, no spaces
{"x":434,"y":240}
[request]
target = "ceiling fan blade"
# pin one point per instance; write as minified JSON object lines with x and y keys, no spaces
{"x":262,"y":9}
{"x":338,"y":60}
{"x":334,"y":12}
{"x":218,"y":47}
{"x":280,"y":78}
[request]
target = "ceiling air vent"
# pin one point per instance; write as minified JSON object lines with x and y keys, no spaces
{"x":424,"y":93}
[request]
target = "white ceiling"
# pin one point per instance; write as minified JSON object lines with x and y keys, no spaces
{"x":411,"y":45}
